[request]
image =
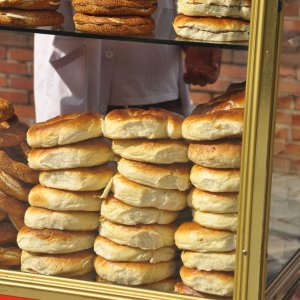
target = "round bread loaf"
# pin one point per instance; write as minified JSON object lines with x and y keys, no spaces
{"x":41,"y":218}
{"x":65,"y":129}
{"x":213,"y":202}
{"x":166,"y":285}
{"x":114,"y":25}
{"x":30,"y":4}
{"x":216,"y":154}
{"x":133,"y":273}
{"x":215,"y":8}
{"x":30,"y":18}
{"x":139,"y":195}
{"x":17,"y":170}
{"x":8,"y":233}
{"x":116,"y":252}
{"x":216,"y":221}
{"x":10,"y":257}
{"x":147,"y":237}
{"x":79,"y":179}
{"x":211,"y":29}
{"x":140,"y":123}
{"x":215,"y":180}
{"x":172,"y":177}
{"x":54,"y":199}
{"x":216,"y":125}
{"x":115,"y":7}
{"x":13,"y":187}
{"x":71,"y":264}
{"x":119,"y":212}
{"x":88,"y":153}
{"x":215,"y":283}
{"x":181,"y":288}
{"x":209,"y":261}
{"x":53,"y":241}
{"x":6,"y":108}
{"x":194,"y":237}
{"x":157,"y":151}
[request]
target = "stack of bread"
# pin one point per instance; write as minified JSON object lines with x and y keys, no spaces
{"x":30,"y":13}
{"x":214,"y":130}
{"x":16,"y":179}
{"x":117,"y":17}
{"x":213,"y":20}
{"x":136,"y":246}
{"x":62,"y":220}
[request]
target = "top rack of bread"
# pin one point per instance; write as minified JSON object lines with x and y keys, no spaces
{"x":198,"y":22}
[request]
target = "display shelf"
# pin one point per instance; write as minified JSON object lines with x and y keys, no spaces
{"x":163,"y":34}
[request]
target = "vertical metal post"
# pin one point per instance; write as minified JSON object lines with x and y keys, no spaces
{"x":256,"y":169}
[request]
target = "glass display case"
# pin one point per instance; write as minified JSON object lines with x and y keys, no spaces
{"x":268,"y":245}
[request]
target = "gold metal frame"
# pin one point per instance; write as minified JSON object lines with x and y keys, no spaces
{"x":256,"y":169}
{"x":256,"y":173}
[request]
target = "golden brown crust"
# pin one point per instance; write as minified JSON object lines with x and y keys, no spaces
{"x":31,"y":4}
{"x":28,"y":18}
{"x":217,"y":25}
{"x":67,"y":265}
{"x":17,"y":170}
{"x":182,"y":289}
{"x":65,"y":129}
{"x":128,"y":25}
{"x":216,"y":154}
{"x":48,"y":234}
{"x":230,"y":100}
{"x":115,"y":7}
{"x":8,"y":233}
{"x":6,"y":108}
{"x":10,"y":257}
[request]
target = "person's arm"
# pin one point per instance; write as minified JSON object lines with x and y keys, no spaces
{"x":202,"y":65}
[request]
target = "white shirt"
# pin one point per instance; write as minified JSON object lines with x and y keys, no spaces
{"x":75,"y":74}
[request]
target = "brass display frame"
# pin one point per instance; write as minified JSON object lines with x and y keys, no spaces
{"x":258,"y":142}
{"x":261,"y":93}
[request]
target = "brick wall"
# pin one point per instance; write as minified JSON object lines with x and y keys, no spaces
{"x":16,"y":84}
{"x":16,"y":72}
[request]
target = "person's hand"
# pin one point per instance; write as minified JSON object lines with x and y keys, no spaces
{"x":202,"y":65}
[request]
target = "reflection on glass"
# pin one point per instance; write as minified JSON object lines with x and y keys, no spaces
{"x":284,"y":239}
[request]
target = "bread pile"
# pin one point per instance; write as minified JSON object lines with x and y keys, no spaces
{"x":63,"y":217}
{"x":16,"y":179}
{"x":208,"y":243}
{"x":213,"y":20}
{"x":30,"y":13}
{"x":117,"y":17}
{"x":136,"y":246}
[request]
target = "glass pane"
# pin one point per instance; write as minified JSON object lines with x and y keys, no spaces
{"x":284,"y":239}
{"x":163,"y":34}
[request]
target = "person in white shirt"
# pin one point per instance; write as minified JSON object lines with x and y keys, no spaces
{"x":76,"y":75}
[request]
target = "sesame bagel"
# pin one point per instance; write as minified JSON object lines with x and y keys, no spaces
{"x":115,"y":7}
{"x":30,"y":18}
{"x":115,"y":25}
{"x":17,"y":170}
{"x":31,"y":4}
{"x":6,"y":107}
